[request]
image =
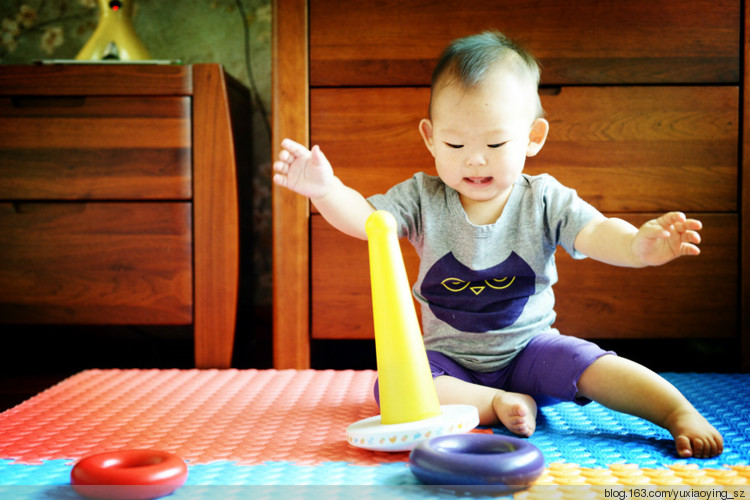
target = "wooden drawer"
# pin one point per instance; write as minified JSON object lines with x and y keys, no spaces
{"x":96,"y":263}
{"x":77,"y":148}
{"x":695,"y":297}
{"x":625,"y":149}
{"x":391,"y":42}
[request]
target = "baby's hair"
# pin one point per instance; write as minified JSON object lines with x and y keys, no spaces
{"x":469,"y":59}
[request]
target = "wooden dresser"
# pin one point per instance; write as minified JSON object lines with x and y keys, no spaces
{"x":118,"y":198}
{"x":644,"y":99}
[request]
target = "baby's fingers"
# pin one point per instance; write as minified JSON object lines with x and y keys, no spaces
{"x":295,"y":148}
{"x":688,"y":243}
{"x":679,"y":222}
{"x":691,"y":225}
{"x":654,"y":229}
{"x":687,"y":249}
{"x":281,"y":167}
{"x":691,"y":237}
{"x":318,"y":158}
{"x":281,"y":180}
{"x":670,"y":219}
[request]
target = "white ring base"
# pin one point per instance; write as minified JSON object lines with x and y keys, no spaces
{"x":371,"y":434}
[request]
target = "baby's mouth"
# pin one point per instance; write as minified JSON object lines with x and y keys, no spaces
{"x":478,"y":180}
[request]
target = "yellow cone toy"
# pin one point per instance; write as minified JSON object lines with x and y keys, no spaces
{"x":409,"y":407}
{"x":406,"y":389}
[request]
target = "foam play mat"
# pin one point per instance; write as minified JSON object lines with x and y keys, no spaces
{"x":265,"y":433}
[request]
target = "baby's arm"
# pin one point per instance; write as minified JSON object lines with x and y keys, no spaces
{"x":657,"y":242}
{"x":310,"y":174}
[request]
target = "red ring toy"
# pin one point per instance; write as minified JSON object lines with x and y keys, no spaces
{"x":128,"y":475}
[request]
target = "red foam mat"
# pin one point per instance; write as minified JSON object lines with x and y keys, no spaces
{"x":245,"y":416}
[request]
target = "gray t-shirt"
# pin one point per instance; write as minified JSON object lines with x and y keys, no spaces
{"x":485,"y":291}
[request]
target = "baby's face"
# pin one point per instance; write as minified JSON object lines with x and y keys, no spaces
{"x":480,"y":136}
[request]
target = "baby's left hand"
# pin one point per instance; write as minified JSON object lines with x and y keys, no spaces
{"x":661,"y":240}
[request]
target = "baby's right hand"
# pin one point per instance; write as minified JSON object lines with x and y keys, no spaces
{"x":303,"y":171}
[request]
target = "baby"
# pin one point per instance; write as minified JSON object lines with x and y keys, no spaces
{"x":486,"y":234}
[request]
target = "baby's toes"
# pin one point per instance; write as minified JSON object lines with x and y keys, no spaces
{"x":684,"y":448}
{"x":714,"y":446}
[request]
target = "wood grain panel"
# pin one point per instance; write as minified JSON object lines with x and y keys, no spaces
{"x":745,"y":197}
{"x":96,"y":263}
{"x":216,"y":219}
{"x":390,"y":42}
{"x":689,"y":298}
{"x":95,"y":148}
{"x":341,"y":300}
{"x":625,"y":149}
{"x":93,"y":79}
{"x":291,"y":260}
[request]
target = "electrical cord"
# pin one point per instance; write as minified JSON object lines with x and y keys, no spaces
{"x":249,"y":69}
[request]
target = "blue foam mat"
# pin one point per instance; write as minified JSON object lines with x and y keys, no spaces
{"x":313,"y":492}
{"x":594,"y":436}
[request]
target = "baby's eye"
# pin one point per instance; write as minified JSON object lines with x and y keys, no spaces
{"x":454,"y":146}
{"x":498,"y":145}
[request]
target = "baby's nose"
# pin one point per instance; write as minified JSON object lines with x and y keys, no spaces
{"x":476,"y":160}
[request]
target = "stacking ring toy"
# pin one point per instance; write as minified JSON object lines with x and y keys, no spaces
{"x":477,"y":459}
{"x":128,"y":475}
{"x":372,"y":434}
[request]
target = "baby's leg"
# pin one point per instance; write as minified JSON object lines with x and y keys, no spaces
{"x":626,"y":386}
{"x":517,"y":412}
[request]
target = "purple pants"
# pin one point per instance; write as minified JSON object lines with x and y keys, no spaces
{"x":547,"y":369}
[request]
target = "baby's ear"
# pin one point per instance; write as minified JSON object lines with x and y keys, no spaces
{"x":537,"y":136}
{"x":425,"y":129}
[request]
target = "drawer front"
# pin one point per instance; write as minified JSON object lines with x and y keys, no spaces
{"x":691,"y":297}
{"x":96,"y":263}
{"x":78,"y":148}
{"x":625,"y":149}
{"x":376,"y":42}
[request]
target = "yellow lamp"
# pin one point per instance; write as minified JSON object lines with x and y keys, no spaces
{"x":114,"y":37}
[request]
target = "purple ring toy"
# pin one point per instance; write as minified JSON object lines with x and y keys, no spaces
{"x":477,"y":459}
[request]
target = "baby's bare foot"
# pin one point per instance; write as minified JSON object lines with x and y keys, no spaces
{"x":693,"y":435}
{"x":517,"y":412}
